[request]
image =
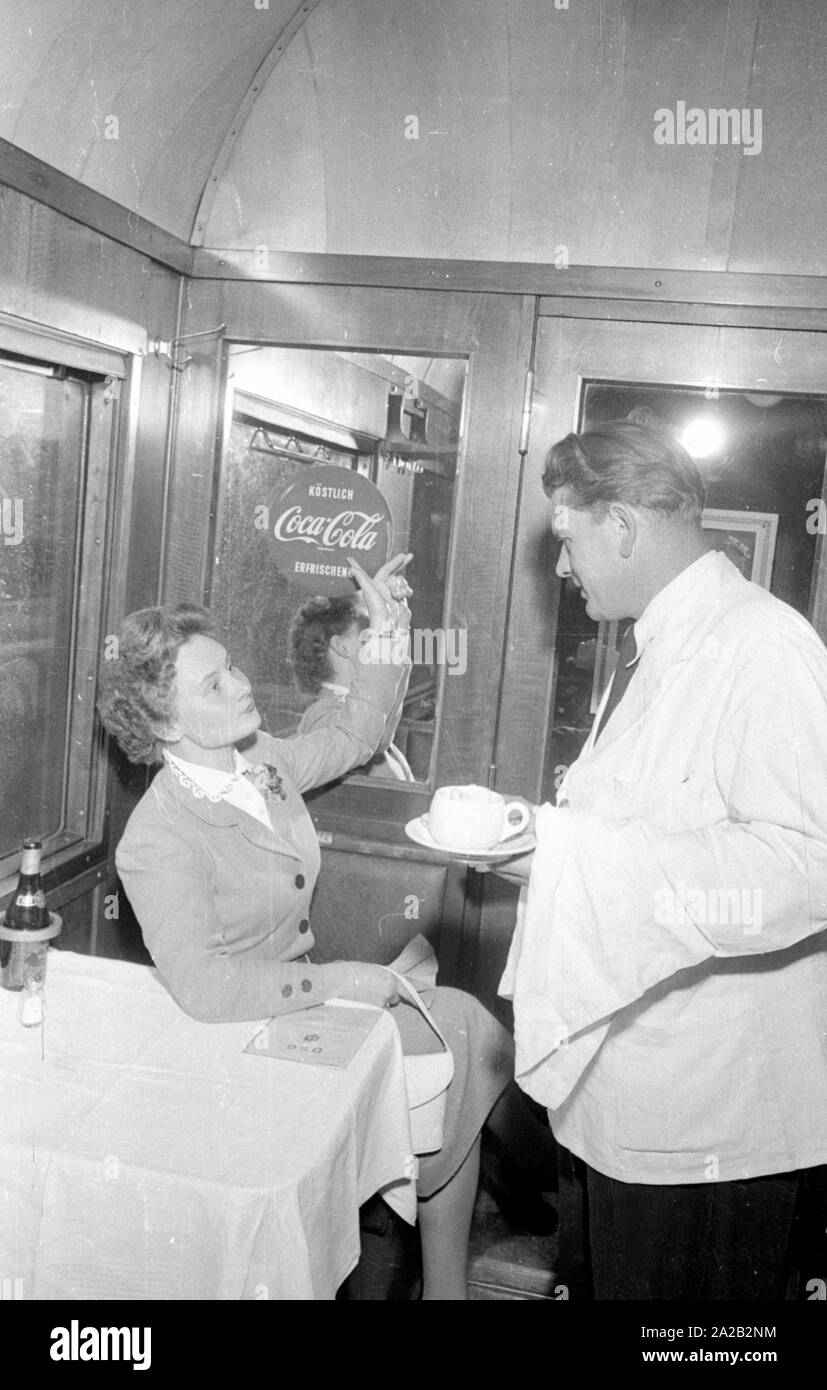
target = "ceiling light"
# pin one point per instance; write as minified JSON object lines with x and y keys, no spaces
{"x":703,"y":437}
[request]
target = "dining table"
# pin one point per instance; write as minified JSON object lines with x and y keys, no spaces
{"x":145,"y":1155}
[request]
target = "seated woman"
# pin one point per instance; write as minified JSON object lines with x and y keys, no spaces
{"x":325,"y":638}
{"x":220,"y":871}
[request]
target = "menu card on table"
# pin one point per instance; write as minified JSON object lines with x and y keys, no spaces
{"x":328,"y":1035}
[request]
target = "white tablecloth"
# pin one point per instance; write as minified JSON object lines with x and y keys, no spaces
{"x":147,"y":1156}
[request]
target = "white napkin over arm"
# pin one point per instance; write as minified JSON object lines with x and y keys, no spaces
{"x":418,"y":963}
{"x":591,"y":938}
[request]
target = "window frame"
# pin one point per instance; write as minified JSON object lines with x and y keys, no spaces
{"x":82,"y":842}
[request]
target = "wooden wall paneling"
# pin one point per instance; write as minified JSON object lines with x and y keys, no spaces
{"x":75,"y":901}
{"x":51,"y":188}
{"x":188,"y":513}
{"x":529,"y":672}
{"x":710,"y":315}
{"x":152,"y":436}
{"x":748,"y":359}
{"x":346,"y":315}
{"x":575,"y":281}
{"x":85,"y":800}
{"x":483,"y":531}
{"x":25,"y":178}
{"x":135,"y":576}
{"x":529,"y":660}
{"x":56,"y":272}
{"x":136,"y":561}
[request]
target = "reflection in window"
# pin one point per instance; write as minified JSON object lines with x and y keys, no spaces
{"x":762,"y":457}
{"x":42,"y":443}
{"x":296,"y":408}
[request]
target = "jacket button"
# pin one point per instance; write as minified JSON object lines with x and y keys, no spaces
{"x":299,"y":880}
{"x":306,"y":986}
{"x":286,"y":991}
{"x":304,"y":924}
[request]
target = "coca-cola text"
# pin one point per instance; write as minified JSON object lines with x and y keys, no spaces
{"x":345,"y":531}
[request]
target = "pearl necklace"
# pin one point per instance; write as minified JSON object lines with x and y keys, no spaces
{"x":193,"y":787}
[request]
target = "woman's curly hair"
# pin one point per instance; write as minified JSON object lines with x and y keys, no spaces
{"x":136,"y":686}
{"x":309,"y":642}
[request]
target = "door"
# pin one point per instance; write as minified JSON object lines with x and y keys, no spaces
{"x":751,"y":405}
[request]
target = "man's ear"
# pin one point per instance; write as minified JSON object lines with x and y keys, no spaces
{"x":625,"y":525}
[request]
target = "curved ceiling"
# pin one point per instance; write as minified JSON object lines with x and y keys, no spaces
{"x":442,"y":128}
{"x":136,"y":99}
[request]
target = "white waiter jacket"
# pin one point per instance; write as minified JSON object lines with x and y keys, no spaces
{"x":669,"y":970}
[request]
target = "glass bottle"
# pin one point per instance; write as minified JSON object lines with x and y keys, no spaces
{"x":23,"y":958}
{"x":27,"y":910}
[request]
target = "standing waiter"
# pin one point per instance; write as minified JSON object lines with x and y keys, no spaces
{"x":669,"y":971}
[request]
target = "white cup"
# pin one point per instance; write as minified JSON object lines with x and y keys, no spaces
{"x":474,"y":818}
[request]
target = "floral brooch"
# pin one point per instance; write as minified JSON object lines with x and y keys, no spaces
{"x":266,"y":778}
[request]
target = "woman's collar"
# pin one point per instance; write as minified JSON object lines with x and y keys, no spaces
{"x":211,"y":781}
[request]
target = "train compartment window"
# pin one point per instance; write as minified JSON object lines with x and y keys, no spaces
{"x":56,"y":433}
{"x":395,"y":419}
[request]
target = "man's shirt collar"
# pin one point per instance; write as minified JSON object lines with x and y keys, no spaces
{"x":662,"y":609}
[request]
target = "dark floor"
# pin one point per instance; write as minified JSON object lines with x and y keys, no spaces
{"x":510,"y":1263}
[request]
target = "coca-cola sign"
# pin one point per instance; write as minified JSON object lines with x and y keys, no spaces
{"x":316,"y":522}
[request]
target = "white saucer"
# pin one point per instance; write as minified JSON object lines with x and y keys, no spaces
{"x":418,"y":831}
